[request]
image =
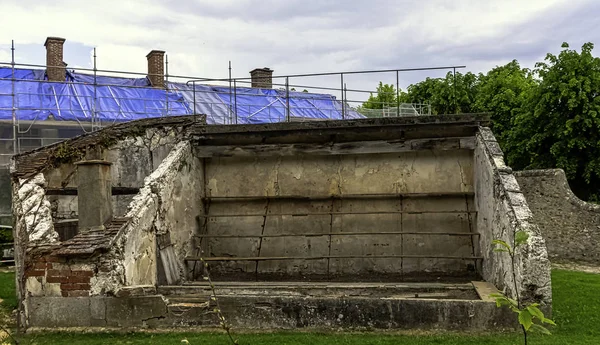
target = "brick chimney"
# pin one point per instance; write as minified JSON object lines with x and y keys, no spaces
{"x":156,"y":68}
{"x":94,"y":190}
{"x":262,"y":78}
{"x":55,"y":66}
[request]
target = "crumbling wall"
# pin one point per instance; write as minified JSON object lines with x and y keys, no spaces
{"x":133,"y":159}
{"x":33,"y":211}
{"x":570,"y":226}
{"x":503,"y":211}
{"x":166,"y":207}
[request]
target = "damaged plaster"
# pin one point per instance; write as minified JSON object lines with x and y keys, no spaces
{"x":34,"y":210}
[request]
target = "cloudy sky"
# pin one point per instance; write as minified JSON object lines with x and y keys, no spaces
{"x":299,"y":36}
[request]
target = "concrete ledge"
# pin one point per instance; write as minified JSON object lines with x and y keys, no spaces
{"x":268,"y":312}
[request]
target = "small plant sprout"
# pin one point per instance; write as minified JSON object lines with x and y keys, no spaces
{"x":528,"y":314}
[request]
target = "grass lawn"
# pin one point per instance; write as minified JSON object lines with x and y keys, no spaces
{"x":576,"y":311}
{"x":7,"y":293}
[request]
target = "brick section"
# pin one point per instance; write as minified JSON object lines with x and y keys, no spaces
{"x":262,"y":78}
{"x":55,"y":66}
{"x":156,"y":68}
{"x":35,"y":273}
{"x":57,"y":279}
{"x":74,"y":286}
{"x":42,"y":265}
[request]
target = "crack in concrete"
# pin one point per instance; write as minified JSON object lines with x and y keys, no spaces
{"x":462,"y":176}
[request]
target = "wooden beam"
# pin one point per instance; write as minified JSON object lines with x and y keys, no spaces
{"x":344,"y":148}
{"x":73,"y":191}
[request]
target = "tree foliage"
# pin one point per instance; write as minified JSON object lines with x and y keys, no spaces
{"x":561,"y":127}
{"x":545,"y":118}
{"x":384,"y":97}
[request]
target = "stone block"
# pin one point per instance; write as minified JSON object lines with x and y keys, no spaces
{"x":134,"y":311}
{"x":59,"y":311}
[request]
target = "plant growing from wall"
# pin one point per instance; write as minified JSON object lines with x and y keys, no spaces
{"x":527,"y":314}
{"x":217,"y":309}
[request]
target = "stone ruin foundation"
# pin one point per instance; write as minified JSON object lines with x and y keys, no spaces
{"x":373,"y":223}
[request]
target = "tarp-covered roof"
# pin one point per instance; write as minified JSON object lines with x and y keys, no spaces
{"x":123,"y":99}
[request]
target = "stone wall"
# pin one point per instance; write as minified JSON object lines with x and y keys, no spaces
{"x":133,"y":159}
{"x":166,"y":208}
{"x":570,"y":226}
{"x":503,"y":211}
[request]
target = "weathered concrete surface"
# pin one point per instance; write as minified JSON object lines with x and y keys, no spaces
{"x":274,"y":311}
{"x":503,"y":211}
{"x":353,"y":178}
{"x":94,"y":191}
{"x":570,"y":226}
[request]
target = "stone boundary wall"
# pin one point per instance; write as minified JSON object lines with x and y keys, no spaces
{"x":503,"y":211}
{"x":570,"y":225}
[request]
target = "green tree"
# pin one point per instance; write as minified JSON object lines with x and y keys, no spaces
{"x":503,"y":92}
{"x":562,"y":125}
{"x":455,"y":93}
{"x":385,"y":97}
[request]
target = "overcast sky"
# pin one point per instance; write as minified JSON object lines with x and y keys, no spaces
{"x":299,"y":36}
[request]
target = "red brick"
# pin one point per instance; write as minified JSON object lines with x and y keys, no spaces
{"x":54,"y":259}
{"x":65,"y":293}
{"x":35,"y":273}
{"x":57,"y":279}
{"x":59,"y":273}
{"x":83,"y":273}
{"x":78,"y":279}
{"x":42,"y":265}
{"x":74,"y":286}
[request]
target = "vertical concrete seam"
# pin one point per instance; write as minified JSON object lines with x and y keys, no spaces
{"x":330,"y":232}
{"x":471,"y":231}
{"x":262,"y":232}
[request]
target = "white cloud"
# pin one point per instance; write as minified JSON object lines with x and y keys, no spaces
{"x":292,"y":36}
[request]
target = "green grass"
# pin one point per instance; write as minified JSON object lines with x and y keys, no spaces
{"x":7,"y":291}
{"x":576,"y":311}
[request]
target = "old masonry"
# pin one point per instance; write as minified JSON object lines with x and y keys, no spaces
{"x":371,"y":223}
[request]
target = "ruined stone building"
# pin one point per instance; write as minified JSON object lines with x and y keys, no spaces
{"x":382,"y":223}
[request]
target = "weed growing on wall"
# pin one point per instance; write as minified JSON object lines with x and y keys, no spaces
{"x":527,"y":314}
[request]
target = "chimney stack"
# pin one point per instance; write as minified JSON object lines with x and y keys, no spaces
{"x":156,"y":68}
{"x":94,"y":190}
{"x":55,"y":66}
{"x":262,"y":78}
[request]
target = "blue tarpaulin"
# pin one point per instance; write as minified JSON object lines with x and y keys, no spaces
{"x":123,"y":99}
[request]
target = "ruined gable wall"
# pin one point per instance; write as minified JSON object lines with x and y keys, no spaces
{"x":133,"y":159}
{"x":570,"y":226}
{"x":166,"y":207}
